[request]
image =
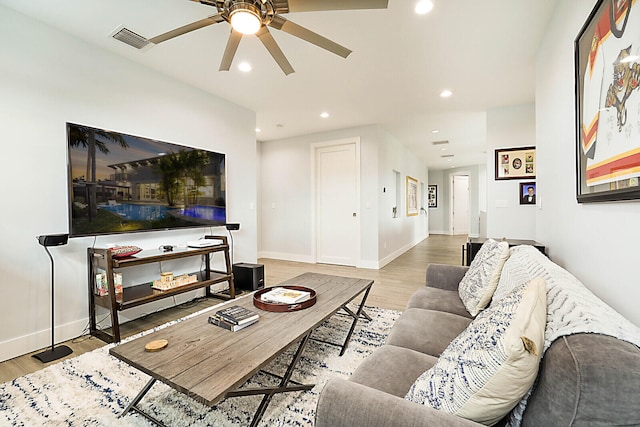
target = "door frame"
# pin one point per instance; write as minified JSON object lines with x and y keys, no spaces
{"x":314,"y":216}
{"x":451,"y":212}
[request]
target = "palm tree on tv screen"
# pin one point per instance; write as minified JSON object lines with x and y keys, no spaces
{"x":93,"y":139}
{"x":193,"y":163}
{"x":175,"y":171}
{"x":169,"y":168}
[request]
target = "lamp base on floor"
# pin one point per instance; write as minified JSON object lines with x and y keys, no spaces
{"x":53,"y":354}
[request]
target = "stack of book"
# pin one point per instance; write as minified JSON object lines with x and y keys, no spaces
{"x":234,"y":318}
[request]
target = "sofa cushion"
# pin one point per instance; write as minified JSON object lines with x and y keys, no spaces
{"x":426,"y":331}
{"x":586,"y":379}
{"x":489,"y":367}
{"x":480,"y":281}
{"x":438,"y":299}
{"x":392,"y":369}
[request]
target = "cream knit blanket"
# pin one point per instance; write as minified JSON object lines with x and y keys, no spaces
{"x":571,"y":307}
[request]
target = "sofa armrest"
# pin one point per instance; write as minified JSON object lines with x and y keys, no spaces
{"x":349,"y":404}
{"x":445,"y":276}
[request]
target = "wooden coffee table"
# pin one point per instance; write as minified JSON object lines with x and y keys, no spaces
{"x":209,"y":364}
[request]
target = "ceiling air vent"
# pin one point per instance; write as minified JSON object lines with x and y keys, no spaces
{"x":440,"y":142}
{"x":129,"y":37}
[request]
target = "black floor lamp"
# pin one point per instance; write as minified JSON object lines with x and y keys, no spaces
{"x":54,"y":353}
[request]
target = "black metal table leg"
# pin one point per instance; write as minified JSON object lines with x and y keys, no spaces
{"x":132,"y":406}
{"x":355,"y":321}
{"x":283,"y":383}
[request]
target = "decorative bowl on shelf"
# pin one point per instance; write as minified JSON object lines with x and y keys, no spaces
{"x":124,"y":251}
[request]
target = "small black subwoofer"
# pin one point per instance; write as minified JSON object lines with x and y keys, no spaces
{"x":248,"y":277}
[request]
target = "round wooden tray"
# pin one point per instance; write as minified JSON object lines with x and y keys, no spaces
{"x":269,"y":306}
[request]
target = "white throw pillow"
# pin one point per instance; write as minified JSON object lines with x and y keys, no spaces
{"x":489,"y":367}
{"x":481,"y":279}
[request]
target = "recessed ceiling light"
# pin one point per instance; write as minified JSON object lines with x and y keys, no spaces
{"x":446,"y":93}
{"x":435,"y":131}
{"x":443,"y":149}
{"x":244,"y":66}
{"x":324,"y":115}
{"x":258,"y":130}
{"x":423,"y":7}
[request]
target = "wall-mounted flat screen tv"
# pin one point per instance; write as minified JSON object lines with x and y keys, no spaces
{"x":122,"y":183}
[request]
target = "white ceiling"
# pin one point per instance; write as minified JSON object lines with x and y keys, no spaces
{"x":484,"y":51}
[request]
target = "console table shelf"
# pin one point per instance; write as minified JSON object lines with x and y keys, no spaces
{"x":100,"y":259}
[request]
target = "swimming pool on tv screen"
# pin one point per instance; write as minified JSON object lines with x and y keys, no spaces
{"x":136,"y":212}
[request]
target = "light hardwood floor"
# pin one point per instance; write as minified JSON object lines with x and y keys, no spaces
{"x":392,"y":287}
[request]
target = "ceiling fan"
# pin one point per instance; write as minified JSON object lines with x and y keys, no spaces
{"x":255,"y":16}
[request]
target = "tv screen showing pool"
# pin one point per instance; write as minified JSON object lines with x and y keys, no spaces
{"x":122,"y":183}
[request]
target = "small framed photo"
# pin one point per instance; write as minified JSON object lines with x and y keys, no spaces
{"x":516,"y":163}
{"x":432,"y":196}
{"x":527,"y":193}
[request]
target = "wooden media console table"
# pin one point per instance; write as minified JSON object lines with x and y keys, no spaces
{"x":100,"y":260}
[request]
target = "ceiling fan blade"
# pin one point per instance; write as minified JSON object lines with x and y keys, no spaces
{"x":280,"y":23}
{"x":230,"y":50}
{"x":270,"y":43}
{"x":206,"y":2}
{"x":187,"y":28}
{"x":317,"y":5}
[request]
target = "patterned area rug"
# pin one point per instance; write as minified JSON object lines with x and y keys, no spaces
{"x":94,"y":388}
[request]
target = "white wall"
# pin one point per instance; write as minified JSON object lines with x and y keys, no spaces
{"x":596,"y":242}
{"x":506,"y":217}
{"x":46,"y":79}
{"x":436,"y":215}
{"x":286,"y":205}
{"x":397,"y":235}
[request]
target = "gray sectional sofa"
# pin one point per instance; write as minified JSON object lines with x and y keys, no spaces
{"x":589,"y":373}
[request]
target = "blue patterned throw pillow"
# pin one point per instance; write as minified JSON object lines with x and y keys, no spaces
{"x":481,"y":280}
{"x":488,"y":368}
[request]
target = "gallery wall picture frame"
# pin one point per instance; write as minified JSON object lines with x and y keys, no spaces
{"x":516,"y":163}
{"x":432,"y":196}
{"x":527,"y":194}
{"x":412,"y":196}
{"x":607,"y":104}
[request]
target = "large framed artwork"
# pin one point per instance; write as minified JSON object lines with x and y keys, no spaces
{"x":432,"y":196}
{"x":607,"y":65}
{"x":516,"y":163}
{"x":412,"y":196}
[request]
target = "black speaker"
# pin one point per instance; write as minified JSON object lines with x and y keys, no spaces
{"x":248,"y":277}
{"x":53,"y":240}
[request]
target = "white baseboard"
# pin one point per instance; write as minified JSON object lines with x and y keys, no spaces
{"x":41,"y":339}
{"x":287,"y":257}
{"x":439,"y":232}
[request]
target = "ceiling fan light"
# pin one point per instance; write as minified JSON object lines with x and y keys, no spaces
{"x":245,"y":19}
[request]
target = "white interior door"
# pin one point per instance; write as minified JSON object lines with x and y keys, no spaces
{"x":460,"y":205}
{"x":337,"y":204}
